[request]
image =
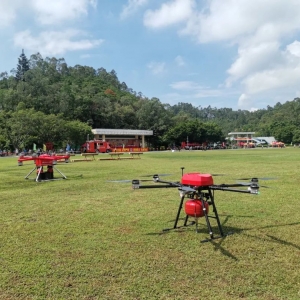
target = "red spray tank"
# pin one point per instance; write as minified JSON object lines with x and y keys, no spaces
{"x":194,"y":208}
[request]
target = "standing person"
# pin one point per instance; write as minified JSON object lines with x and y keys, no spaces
{"x":68,"y":147}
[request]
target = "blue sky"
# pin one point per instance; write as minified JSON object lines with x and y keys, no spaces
{"x":224,"y":53}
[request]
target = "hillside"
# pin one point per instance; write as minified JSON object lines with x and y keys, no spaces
{"x":97,"y":98}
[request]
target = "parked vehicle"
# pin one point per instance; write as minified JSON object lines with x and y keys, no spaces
{"x":191,"y":146}
{"x":96,"y":146}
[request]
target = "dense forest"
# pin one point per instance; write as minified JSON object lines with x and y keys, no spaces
{"x":46,"y":100}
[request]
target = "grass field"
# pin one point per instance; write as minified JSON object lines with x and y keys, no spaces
{"x":86,"y":238}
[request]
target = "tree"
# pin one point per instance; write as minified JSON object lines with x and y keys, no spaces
{"x":296,"y":136}
{"x":76,"y":132}
{"x":24,"y":127}
{"x":153,"y":115}
{"x":195,"y":130}
{"x":282,"y":131}
{"x":23,"y":67}
{"x":213,"y":132}
{"x":20,"y":126}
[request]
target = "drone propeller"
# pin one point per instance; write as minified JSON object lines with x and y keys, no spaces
{"x":159,"y":175}
{"x":127,"y":180}
{"x":258,"y":178}
{"x":250,"y":183}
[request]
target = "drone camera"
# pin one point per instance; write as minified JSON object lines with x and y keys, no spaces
{"x":135,"y":184}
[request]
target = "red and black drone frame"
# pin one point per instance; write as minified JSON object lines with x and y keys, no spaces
{"x":44,"y":166}
{"x":198,"y":191}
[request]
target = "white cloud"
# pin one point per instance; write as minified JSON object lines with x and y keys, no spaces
{"x":131,"y":7}
{"x":56,"y":12}
{"x":236,"y":19}
{"x":208,"y":93}
{"x":59,"y":11}
{"x":243,"y":101}
{"x":44,"y":12}
{"x":246,"y":102}
{"x":8,"y":11}
{"x":185,"y":85}
{"x":179,"y":61}
{"x":157,"y":67}
{"x":281,"y":72}
{"x":254,"y":59}
{"x":85,"y":56}
{"x":210,"y":97}
{"x":52,"y":43}
{"x":196,"y":90}
{"x":294,"y":48}
{"x":286,"y":77}
{"x":169,"y":13}
{"x":260,"y":30}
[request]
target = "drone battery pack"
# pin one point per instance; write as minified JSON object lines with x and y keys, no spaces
{"x":197,"y":179}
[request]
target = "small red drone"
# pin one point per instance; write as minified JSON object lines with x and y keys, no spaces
{"x":198,"y":189}
{"x":41,"y":161}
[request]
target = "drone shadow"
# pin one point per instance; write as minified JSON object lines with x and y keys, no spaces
{"x":275,"y":239}
{"x":282,"y":242}
{"x":228,"y":230}
{"x":202,"y":229}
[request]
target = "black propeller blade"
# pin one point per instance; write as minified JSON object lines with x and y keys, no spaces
{"x":258,"y":178}
{"x":141,"y":180}
{"x":127,"y":180}
{"x":159,"y":175}
{"x":250,"y":183}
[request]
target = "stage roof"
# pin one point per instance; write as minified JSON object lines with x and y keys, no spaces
{"x":121,"y":131}
{"x":243,"y":133}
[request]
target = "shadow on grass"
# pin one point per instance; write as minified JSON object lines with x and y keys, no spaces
{"x":282,"y":242}
{"x":275,"y":239}
{"x":227,"y":230}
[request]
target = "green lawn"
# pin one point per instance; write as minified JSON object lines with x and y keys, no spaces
{"x":86,"y":238}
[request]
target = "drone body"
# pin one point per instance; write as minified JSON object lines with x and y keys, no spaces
{"x":197,"y":179}
{"x":42,"y":162}
{"x":198,"y":191}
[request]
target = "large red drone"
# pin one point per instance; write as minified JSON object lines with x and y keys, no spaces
{"x":198,"y":191}
{"x":44,"y":165}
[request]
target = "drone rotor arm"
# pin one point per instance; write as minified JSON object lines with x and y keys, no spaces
{"x":174,"y":184}
{"x":152,"y":186}
{"x":230,"y":185}
{"x":228,"y":189}
{"x":252,"y":188}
